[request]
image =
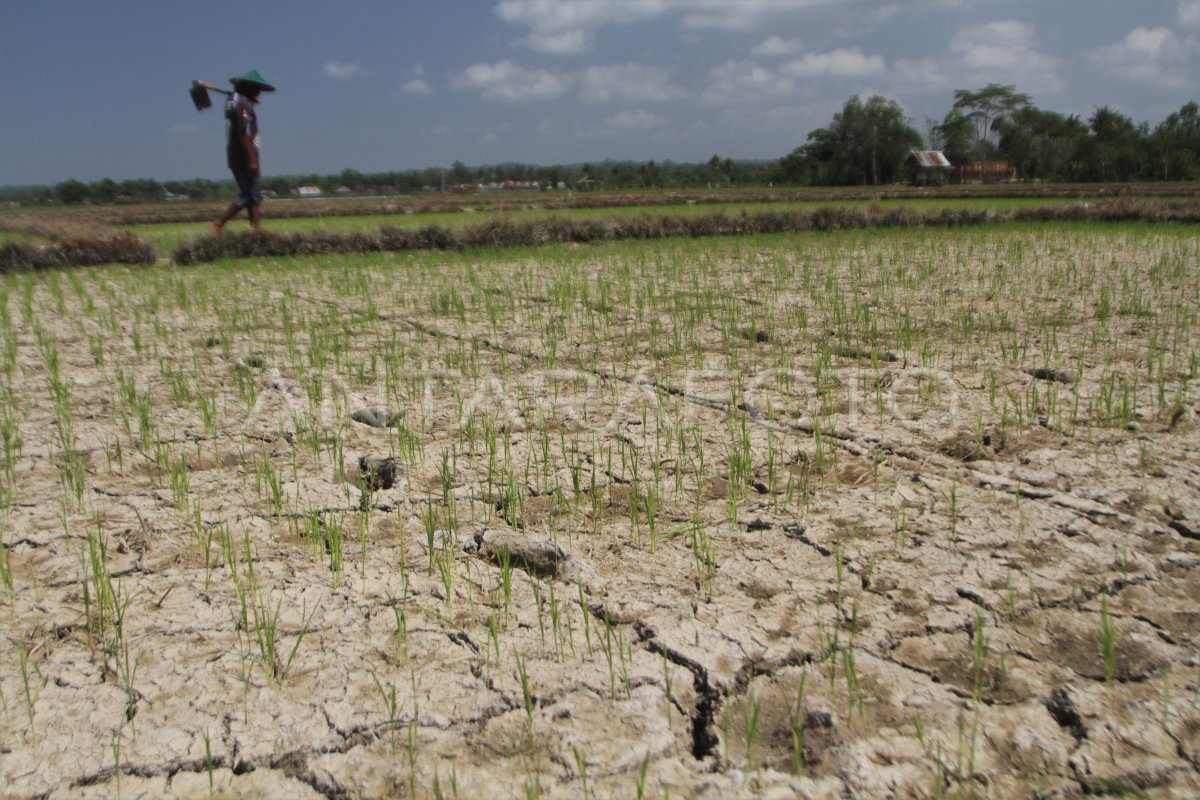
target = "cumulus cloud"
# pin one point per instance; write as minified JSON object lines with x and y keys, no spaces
{"x":562,"y":15}
{"x":736,"y":15}
{"x":776,"y":46}
{"x":505,"y":80}
{"x":560,"y":43}
{"x":1156,"y":57}
{"x":417,"y":86}
{"x":744,"y":81}
{"x":840,"y":63}
{"x":1002,"y":52}
{"x":342,"y":71}
{"x":925,"y":73}
{"x":1189,"y":13}
{"x":564,"y":27}
{"x":567,"y":27}
{"x":627,"y":82}
{"x":630,"y":82}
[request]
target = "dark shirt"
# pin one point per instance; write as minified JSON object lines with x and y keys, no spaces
{"x":240,"y":119}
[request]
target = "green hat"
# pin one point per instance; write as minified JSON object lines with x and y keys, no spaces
{"x":252,"y":78}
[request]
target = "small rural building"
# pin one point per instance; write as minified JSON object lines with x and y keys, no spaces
{"x":588,"y":184}
{"x":984,"y":172}
{"x":307,"y":191}
{"x":926,"y":166}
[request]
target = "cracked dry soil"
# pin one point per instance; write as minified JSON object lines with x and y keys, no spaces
{"x":768,"y":517}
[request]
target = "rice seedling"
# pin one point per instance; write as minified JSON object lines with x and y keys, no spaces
{"x":390,"y":705}
{"x":208,"y":761}
{"x":979,"y":656}
{"x":1108,"y":643}
{"x":126,"y":667}
{"x":751,"y":732}
{"x":32,"y":681}
{"x":6,"y":573}
{"x":581,"y":766}
{"x":640,"y":785}
{"x":797,"y":724}
{"x":115,"y":746}
{"x":265,"y":626}
{"x":526,"y":694}
{"x":411,"y":750}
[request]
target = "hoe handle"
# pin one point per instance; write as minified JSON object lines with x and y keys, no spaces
{"x":212,"y":88}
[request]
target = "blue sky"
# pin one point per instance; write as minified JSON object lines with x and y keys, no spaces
{"x":99,"y":89}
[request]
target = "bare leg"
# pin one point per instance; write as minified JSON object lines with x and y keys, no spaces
{"x":256,"y":219}
{"x":229,"y":214}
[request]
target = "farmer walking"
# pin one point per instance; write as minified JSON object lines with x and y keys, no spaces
{"x":241,"y":148}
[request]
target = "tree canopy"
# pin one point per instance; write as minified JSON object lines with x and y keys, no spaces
{"x":864,"y":144}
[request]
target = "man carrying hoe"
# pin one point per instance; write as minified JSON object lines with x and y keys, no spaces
{"x":241,"y":129}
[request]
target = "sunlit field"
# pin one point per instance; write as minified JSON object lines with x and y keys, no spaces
{"x":909,"y":512}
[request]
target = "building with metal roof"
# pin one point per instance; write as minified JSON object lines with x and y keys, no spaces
{"x":926,"y":166}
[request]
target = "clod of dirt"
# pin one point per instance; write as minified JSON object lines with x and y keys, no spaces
{"x":965,"y":446}
{"x":252,"y":361}
{"x":859,"y":352}
{"x":1183,"y":415}
{"x":1057,"y":375}
{"x":538,"y":557}
{"x":756,"y":335}
{"x":377,"y":472}
{"x":375,"y":417}
{"x":1062,"y":708}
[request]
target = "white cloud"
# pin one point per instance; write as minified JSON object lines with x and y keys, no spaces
{"x":342,"y":71}
{"x":840,"y":63}
{"x":1156,"y":57}
{"x":735,"y":15}
{"x":417,"y":86}
{"x":627,"y":82}
{"x":505,"y":80}
{"x":776,"y":46}
{"x":634,"y":121}
{"x":922,"y":73}
{"x":561,"y":15}
{"x":565,"y":27}
{"x":1189,"y":13}
{"x":560,"y":43}
{"x":744,"y":81}
{"x":1002,"y":52}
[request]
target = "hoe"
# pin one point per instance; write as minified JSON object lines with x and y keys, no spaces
{"x":199,"y":93}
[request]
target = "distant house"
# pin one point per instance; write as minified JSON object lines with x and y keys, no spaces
{"x":926,"y":166}
{"x":984,"y":172}
{"x":307,"y":191}
{"x":587,"y":183}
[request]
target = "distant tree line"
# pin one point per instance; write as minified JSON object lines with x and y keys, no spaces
{"x":865,"y":144}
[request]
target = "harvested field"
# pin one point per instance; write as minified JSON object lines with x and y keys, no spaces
{"x":867,"y":513}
